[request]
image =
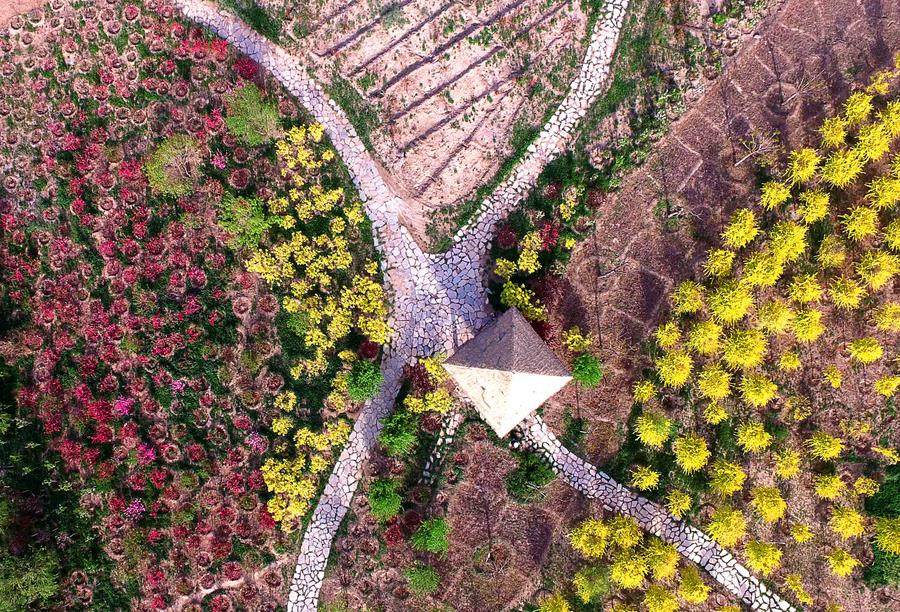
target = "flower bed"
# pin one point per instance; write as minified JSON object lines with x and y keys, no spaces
{"x":142,"y":189}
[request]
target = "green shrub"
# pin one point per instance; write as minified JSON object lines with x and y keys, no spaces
{"x":243,"y":218}
{"x":587,"y":371}
{"x":400,"y":433}
{"x":384,"y":499}
{"x":423,"y":580}
{"x":526,"y":480}
{"x":592,"y":584}
{"x":174,"y":166}
{"x":364,"y":381}
{"x":431,"y":536}
{"x":887,"y":501}
{"x":250,"y":118}
{"x":885,"y":569}
{"x":28,"y":581}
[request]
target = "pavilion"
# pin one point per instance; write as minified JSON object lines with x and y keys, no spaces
{"x":507,"y":371}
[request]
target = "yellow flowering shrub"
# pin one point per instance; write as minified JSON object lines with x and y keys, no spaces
{"x":763,"y":557}
{"x":704,"y":337}
{"x":752,"y":437}
{"x":528,"y":259}
{"x":644,"y":478}
{"x":293,"y":482}
{"x":787,"y":464}
{"x":813,"y":206}
{"x":687,"y":298}
{"x":741,"y":229}
{"x":678,"y":503}
{"x":674,"y":368}
{"x":794,"y":582}
{"x":841,"y":562}
{"x":514,"y":295}
{"x":329,"y":290}
{"x":576,"y":341}
{"x":802,"y":165}
{"x":801,"y":533}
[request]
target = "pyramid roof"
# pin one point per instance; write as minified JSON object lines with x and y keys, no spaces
{"x":507,"y":371}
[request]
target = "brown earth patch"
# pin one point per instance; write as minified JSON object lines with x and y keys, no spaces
{"x":11,"y":8}
{"x":448,"y":80}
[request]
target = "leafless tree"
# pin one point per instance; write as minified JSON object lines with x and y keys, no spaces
{"x":806,"y":85}
{"x":775,"y":69}
{"x":488,"y":513}
{"x":758,"y":144}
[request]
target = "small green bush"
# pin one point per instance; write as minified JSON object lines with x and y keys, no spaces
{"x":431,"y":536}
{"x":887,"y":501}
{"x":885,"y":569}
{"x":423,"y":580}
{"x":587,"y":371}
{"x":250,"y":118}
{"x":364,"y":381}
{"x":28,"y":581}
{"x":400,"y":433}
{"x":384,"y":500}
{"x":243,"y":218}
{"x":527,"y":479}
{"x":174,"y":166}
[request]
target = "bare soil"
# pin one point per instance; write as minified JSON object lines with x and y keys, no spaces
{"x":10,"y":8}
{"x":450,"y":79}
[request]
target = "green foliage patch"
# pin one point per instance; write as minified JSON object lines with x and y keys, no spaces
{"x":364,"y":381}
{"x":422,"y":580}
{"x":250,"y":118}
{"x":174,"y":166}
{"x":885,"y":569}
{"x":28,"y":581}
{"x":244,"y":218}
{"x":384,"y":500}
{"x":432,"y":536}
{"x":532,"y":474}
{"x":587,"y":371}
{"x":400,"y":433}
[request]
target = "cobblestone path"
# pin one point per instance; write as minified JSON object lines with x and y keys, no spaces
{"x":439,"y":300}
{"x":690,"y":541}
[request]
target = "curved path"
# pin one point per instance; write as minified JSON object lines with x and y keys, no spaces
{"x":440,"y":301}
{"x":690,"y":541}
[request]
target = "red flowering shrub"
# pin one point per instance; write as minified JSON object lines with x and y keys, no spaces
{"x":506,"y":237}
{"x":549,"y":235}
{"x":246,"y":67}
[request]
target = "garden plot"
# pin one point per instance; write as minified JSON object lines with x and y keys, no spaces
{"x":447,"y":81}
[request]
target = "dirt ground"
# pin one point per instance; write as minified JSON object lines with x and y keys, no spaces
{"x":9,"y":8}
{"x":618,"y":283}
{"x":451,"y":79}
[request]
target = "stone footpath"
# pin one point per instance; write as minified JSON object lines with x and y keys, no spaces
{"x":450,"y":423}
{"x":690,"y":541}
{"x":440,"y":301}
{"x":474,"y":240}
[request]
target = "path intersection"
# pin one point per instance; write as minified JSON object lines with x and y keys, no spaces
{"x":438,"y":301}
